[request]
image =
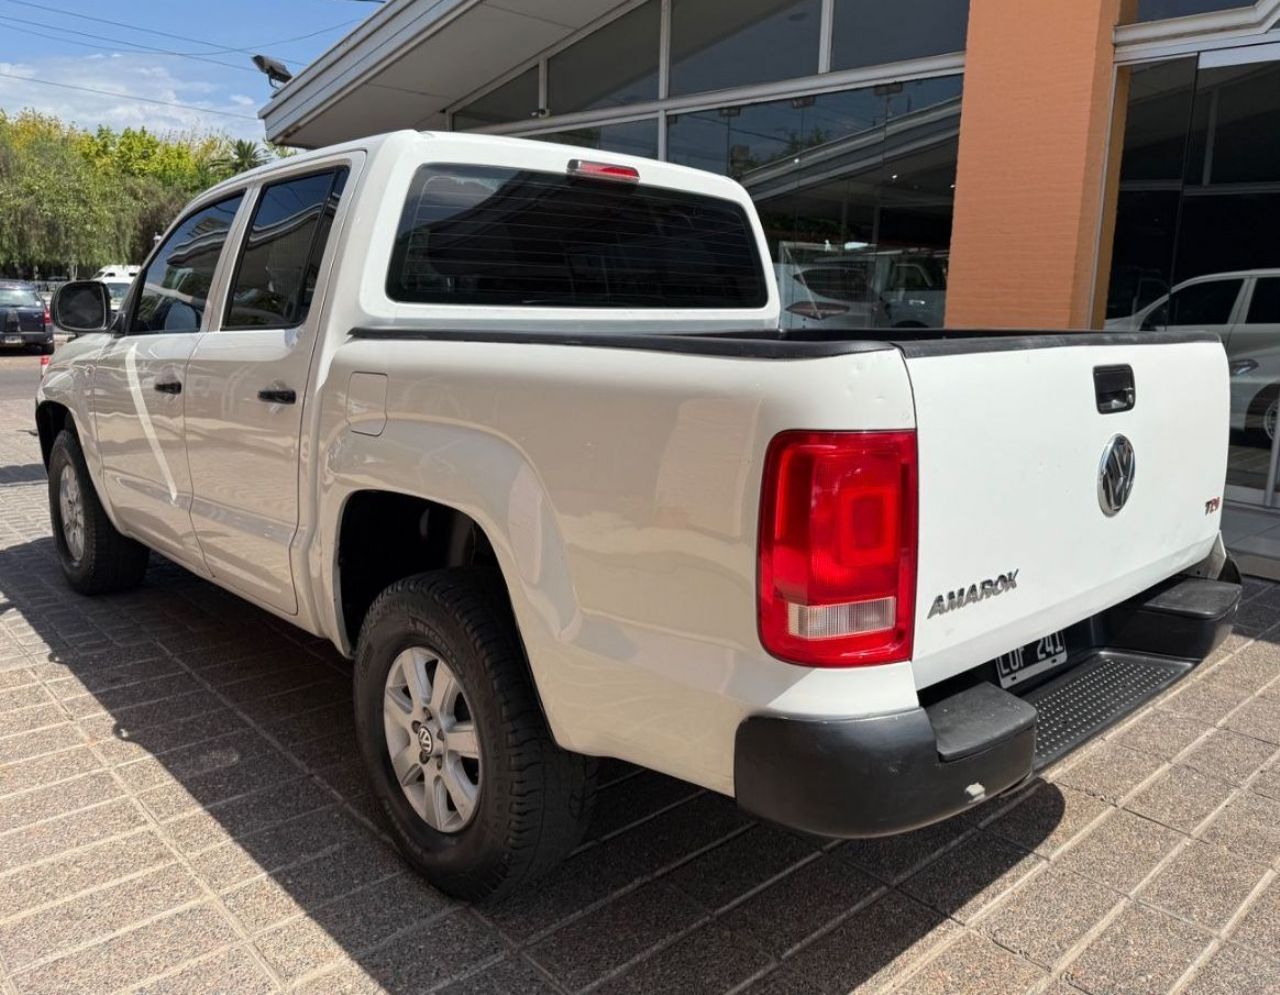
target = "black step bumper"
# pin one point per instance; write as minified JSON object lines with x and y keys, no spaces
{"x":888,"y":774}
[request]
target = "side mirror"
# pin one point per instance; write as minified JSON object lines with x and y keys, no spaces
{"x":81,"y":306}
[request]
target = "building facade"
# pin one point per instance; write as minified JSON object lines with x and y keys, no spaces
{"x":973,"y":163}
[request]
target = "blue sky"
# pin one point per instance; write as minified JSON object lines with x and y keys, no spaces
{"x":202,"y":62}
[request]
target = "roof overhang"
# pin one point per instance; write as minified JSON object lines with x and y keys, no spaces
{"x":411,"y":60}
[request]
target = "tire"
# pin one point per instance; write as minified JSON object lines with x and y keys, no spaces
{"x":47,"y":348}
{"x":102,"y":560}
{"x":532,"y":800}
{"x":1260,"y":415}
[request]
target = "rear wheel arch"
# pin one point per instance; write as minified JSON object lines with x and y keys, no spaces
{"x":385,"y":536}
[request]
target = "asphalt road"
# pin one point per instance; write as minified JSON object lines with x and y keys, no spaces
{"x":19,"y":375}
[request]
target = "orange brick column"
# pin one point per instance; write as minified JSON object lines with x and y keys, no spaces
{"x":1033,"y":141}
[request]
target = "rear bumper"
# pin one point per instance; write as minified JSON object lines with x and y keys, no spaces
{"x":888,"y":774}
{"x":28,"y":338}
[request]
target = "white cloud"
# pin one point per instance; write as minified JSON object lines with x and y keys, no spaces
{"x":122,"y":76}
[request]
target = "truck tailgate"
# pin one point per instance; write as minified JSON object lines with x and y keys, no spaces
{"x":1014,"y":541}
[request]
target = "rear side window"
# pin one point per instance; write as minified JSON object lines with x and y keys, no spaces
{"x":497,"y":236}
{"x":1265,"y":309}
{"x":1205,"y":303}
{"x":276,"y":275}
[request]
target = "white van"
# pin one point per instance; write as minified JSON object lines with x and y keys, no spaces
{"x":116,"y":271}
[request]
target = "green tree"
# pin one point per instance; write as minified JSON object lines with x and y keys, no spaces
{"x":242,"y":155}
{"x":73,"y":199}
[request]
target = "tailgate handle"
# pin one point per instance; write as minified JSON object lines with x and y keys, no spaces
{"x":1113,"y":386}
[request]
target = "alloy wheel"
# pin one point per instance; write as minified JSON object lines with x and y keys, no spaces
{"x":71,"y":507}
{"x":431,"y":739}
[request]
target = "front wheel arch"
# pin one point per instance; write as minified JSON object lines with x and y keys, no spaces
{"x":51,"y":419}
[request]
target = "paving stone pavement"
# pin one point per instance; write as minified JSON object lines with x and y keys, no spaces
{"x":181,"y":811}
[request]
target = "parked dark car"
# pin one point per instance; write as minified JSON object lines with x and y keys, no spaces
{"x":24,"y":316}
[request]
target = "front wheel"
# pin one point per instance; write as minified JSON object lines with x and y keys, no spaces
{"x":479,"y":797}
{"x":95,"y":558}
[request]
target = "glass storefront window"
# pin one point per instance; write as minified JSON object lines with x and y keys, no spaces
{"x":871,"y":32}
{"x":513,"y":101}
{"x":855,"y":191}
{"x":633,"y":138}
{"x":1159,"y":111}
{"x":1158,"y":10}
{"x":1195,"y":246}
{"x":612,"y":67}
{"x":716,"y":45}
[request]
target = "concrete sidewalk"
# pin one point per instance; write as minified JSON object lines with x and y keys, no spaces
{"x":181,"y":810}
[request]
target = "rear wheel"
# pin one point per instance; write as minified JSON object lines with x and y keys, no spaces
{"x":479,"y":797}
{"x":95,"y":558}
{"x":47,"y":348}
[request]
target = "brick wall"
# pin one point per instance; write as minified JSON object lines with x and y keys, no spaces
{"x":1029,"y":192}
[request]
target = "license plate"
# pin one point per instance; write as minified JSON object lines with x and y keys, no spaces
{"x":13,"y":340}
{"x":1032,"y":659}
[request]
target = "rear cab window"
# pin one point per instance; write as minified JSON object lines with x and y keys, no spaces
{"x":500,"y":236}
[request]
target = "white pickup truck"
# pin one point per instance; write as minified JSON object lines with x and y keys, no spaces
{"x":513,"y":425}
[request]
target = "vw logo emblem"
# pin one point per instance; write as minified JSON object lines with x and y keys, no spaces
{"x":1115,"y":475}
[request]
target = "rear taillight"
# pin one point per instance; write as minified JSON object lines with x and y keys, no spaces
{"x":838,"y":548}
{"x":48,"y":318}
{"x":818,"y":312}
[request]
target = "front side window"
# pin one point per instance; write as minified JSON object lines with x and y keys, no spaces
{"x":1204,"y":303}
{"x":175,"y":286}
{"x":499,"y":236}
{"x":276,"y":275}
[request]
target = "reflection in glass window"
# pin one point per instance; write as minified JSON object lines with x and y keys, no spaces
{"x":614,"y":66}
{"x":1158,"y":10}
{"x":855,"y":191}
{"x":1234,"y":138}
{"x":1161,"y":98}
{"x":276,"y":275}
{"x":1203,"y":304}
{"x":633,"y":138}
{"x":1265,"y":307}
{"x":872,"y":32}
{"x":715,"y":45}
{"x":513,"y":101}
{"x":175,"y":286}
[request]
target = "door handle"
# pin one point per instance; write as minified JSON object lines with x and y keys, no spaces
{"x":1114,"y":389}
{"x":169,"y":386}
{"x":278,"y":395}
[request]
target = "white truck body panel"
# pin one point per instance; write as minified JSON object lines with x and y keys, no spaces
{"x":620,"y":488}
